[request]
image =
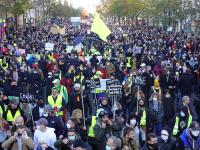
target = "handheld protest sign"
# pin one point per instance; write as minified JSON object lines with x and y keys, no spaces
{"x":49,"y":46}
{"x":26,"y":98}
{"x":114,"y":87}
{"x":93,"y":84}
{"x":138,"y":80}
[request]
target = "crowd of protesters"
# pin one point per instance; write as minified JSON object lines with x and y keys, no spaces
{"x":45,"y":103}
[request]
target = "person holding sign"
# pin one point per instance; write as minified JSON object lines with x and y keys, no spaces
{"x":155,"y":113}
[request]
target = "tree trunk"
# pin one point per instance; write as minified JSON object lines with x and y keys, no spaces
{"x":16,"y":23}
{"x":119,"y":21}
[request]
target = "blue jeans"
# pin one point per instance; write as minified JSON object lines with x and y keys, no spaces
{"x":158,"y":128}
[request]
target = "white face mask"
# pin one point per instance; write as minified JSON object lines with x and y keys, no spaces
{"x":182,"y":114}
{"x":155,"y":99}
{"x":195,"y":133}
{"x":45,"y":114}
{"x":68,"y":125}
{"x":108,"y":147}
{"x":164,"y":137}
{"x":133,"y":122}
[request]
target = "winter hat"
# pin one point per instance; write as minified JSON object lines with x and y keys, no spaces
{"x":49,"y":108}
{"x":77,"y":85}
{"x":101,"y":113}
{"x":195,"y":126}
{"x":42,"y":121}
{"x":79,"y":143}
{"x":13,"y":99}
{"x":56,"y":81}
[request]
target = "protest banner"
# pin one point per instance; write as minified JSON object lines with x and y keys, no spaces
{"x":56,"y":30}
{"x":69,"y":49}
{"x":114,"y":87}
{"x":93,"y":84}
{"x":27,"y":98}
{"x":138,"y":80}
{"x":49,"y":46}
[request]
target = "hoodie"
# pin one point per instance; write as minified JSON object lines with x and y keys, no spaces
{"x":48,"y":137}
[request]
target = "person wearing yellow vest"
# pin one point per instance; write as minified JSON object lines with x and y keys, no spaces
{"x":128,"y":62}
{"x":61,"y":89}
{"x":13,"y":110}
{"x":97,"y":91}
{"x":79,"y":78}
{"x":182,"y":121}
{"x":4,"y":64}
{"x":57,"y":102}
{"x":102,"y":129}
{"x":91,"y":135}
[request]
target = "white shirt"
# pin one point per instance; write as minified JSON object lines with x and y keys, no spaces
{"x":41,"y":111}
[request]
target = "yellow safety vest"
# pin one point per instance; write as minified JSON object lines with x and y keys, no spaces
{"x":57,"y":103}
{"x":91,"y":129}
{"x":76,"y":78}
{"x":176,"y":126}
{"x":143,"y":119}
{"x":9,"y":116}
{"x":128,"y":64}
{"x":5,"y":67}
{"x":1,"y":110}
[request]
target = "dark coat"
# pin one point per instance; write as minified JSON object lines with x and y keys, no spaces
{"x":36,"y":113}
{"x":101,"y":135}
{"x":76,"y":102}
{"x":169,"y":107}
{"x":169,"y":145}
{"x":155,"y":116}
{"x":186,"y":83}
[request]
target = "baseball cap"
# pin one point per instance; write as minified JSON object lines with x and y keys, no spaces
{"x":56,"y":81}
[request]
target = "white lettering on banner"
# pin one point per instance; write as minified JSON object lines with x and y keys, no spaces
{"x":49,"y":46}
{"x":139,"y":80}
{"x":114,"y":87}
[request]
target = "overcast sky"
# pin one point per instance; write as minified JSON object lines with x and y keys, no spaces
{"x":89,"y":5}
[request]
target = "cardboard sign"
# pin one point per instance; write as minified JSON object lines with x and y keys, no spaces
{"x":49,"y":46}
{"x":26,"y":98}
{"x":92,"y":84}
{"x":138,"y":80}
{"x":114,"y":87}
{"x":69,"y":49}
{"x":111,"y":82}
{"x":56,"y":30}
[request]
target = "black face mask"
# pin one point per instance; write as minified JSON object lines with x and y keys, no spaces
{"x":154,"y":146}
{"x":41,"y":105}
{"x":141,"y":105}
{"x":194,"y":137}
{"x":13,"y":86}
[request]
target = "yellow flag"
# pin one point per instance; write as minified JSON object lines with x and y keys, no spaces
{"x":100,"y":28}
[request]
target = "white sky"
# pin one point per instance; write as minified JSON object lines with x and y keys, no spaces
{"x":89,"y":5}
